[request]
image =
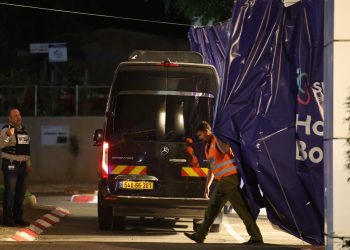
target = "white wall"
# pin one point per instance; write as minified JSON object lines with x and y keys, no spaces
{"x":55,"y":164}
{"x":337,"y":88}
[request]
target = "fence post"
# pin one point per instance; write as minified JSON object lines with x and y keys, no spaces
{"x":76,"y":100}
{"x":35,"y":100}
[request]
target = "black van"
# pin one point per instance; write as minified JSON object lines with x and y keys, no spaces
{"x":151,"y":163}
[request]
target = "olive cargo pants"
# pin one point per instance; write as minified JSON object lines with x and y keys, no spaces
{"x":227,"y":189}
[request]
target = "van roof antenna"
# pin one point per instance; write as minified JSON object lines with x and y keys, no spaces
{"x":168,"y":61}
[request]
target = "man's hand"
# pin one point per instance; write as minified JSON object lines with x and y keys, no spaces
{"x":209,"y":180}
{"x":10,"y":131}
{"x":206,"y":192}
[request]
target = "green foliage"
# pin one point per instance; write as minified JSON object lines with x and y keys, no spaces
{"x":346,"y":243}
{"x":69,"y":74}
{"x":12,"y":78}
{"x":347,"y":103}
{"x":204,"y":11}
{"x":345,"y":240}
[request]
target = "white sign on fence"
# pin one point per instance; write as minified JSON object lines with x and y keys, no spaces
{"x":54,"y":135}
{"x":38,"y":48}
{"x":58,"y":52}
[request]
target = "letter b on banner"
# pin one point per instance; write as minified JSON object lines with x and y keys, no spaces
{"x":315,"y":154}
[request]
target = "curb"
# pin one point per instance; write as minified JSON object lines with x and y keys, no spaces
{"x":38,"y":226}
{"x":84,"y":198}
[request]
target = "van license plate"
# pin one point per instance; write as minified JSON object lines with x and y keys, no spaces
{"x":136,"y":185}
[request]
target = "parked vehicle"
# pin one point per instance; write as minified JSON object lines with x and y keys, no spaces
{"x":151,"y":163}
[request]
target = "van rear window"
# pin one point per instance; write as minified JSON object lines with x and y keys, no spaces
{"x":183,"y":78}
{"x":153,"y":103}
{"x":160,"y":117}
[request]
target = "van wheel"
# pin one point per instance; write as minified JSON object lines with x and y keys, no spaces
{"x":119,"y":223}
{"x":105,"y":215}
{"x":215,"y":228}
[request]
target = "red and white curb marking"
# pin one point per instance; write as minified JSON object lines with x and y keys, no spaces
{"x":84,"y":198}
{"x":38,"y":226}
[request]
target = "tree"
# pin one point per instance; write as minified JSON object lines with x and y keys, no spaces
{"x":347,"y":105}
{"x":203,"y":11}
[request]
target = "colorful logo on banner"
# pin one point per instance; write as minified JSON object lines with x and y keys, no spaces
{"x":303,"y":87}
{"x":308,"y":125}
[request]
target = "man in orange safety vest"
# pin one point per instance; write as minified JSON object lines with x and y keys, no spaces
{"x":223,"y":167}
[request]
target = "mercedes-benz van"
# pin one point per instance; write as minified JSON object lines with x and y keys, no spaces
{"x":151,"y":163}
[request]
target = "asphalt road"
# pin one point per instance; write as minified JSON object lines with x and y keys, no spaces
{"x":80,"y":230}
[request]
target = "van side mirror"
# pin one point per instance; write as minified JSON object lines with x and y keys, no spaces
{"x":98,"y":137}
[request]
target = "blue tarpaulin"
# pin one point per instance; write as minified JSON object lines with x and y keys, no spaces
{"x":270,"y":106}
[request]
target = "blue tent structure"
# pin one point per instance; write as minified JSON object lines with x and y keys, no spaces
{"x":270,"y":106}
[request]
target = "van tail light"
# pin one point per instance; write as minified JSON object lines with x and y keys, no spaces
{"x":168,"y":63}
{"x":104,"y":163}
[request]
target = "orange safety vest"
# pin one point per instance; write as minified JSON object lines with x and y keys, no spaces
{"x":221,"y":164}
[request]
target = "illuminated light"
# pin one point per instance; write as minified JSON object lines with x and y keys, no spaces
{"x":167,"y":64}
{"x":110,"y":198}
{"x":162,"y":117}
{"x":180,"y":120}
{"x":104,"y":164}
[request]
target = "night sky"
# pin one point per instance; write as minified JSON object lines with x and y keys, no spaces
{"x":22,"y":20}
{"x":21,"y":26}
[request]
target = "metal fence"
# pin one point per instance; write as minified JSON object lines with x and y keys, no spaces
{"x":87,"y":100}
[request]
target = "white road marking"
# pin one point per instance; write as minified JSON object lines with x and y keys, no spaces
{"x":43,"y":223}
{"x":231,"y":231}
{"x":35,"y":229}
{"x":58,"y":213}
{"x":7,"y":239}
{"x":25,"y":236}
{"x":52,"y":217}
{"x":62,"y":210}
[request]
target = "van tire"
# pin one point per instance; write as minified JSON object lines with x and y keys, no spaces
{"x":105,"y":215}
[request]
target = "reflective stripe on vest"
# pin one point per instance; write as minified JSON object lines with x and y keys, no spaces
{"x":221,"y":164}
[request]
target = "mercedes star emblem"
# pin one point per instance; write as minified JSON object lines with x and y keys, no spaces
{"x":164,"y":150}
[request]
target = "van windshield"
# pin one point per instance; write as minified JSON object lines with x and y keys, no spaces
{"x":160,"y":115}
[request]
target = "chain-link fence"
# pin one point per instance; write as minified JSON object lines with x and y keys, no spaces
{"x":37,"y":100}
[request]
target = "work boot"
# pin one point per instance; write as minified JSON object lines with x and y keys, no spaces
{"x":22,"y":223}
{"x":253,"y":242}
{"x":194,"y":237}
{"x":9,"y":223}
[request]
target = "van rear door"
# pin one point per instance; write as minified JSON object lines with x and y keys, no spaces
{"x":156,"y":110}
